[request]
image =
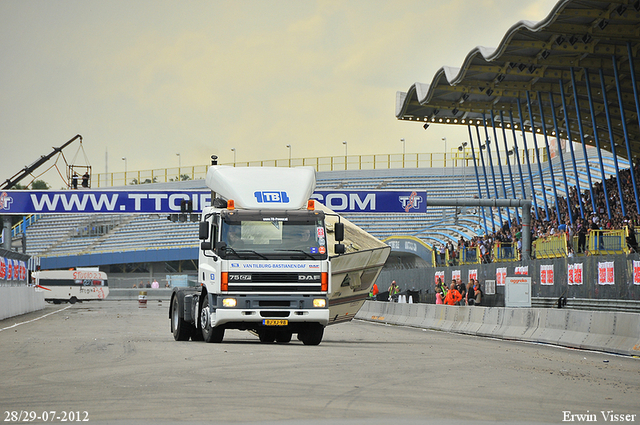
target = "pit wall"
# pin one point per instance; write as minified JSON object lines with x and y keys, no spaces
{"x":16,"y":300}
{"x":611,"y":332}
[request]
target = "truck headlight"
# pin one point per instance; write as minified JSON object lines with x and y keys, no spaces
{"x":229,"y":302}
{"x":319,"y":302}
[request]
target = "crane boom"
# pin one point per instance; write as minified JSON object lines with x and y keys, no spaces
{"x":28,"y":169}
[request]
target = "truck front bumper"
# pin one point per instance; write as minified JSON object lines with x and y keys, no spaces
{"x":253,"y":311}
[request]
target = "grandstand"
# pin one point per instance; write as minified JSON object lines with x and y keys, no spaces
{"x":64,"y":235}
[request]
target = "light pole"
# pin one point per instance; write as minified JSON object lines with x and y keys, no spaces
{"x":462,"y":148}
{"x":124,"y":158}
{"x":403,"y":151}
{"x":445,"y":151}
{"x":345,"y":154}
{"x":289,"y":147}
{"x":179,"y":164}
{"x":234,"y":156}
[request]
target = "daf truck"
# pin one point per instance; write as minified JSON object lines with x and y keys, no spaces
{"x":264,"y":261}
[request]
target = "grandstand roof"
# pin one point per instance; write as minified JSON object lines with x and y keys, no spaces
{"x":541,"y":60}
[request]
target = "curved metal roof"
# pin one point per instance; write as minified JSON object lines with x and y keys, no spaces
{"x":578,"y":39}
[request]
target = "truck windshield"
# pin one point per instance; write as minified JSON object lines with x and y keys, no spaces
{"x":280,"y":237}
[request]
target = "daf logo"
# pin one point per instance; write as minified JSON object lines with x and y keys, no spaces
{"x":307,"y":277}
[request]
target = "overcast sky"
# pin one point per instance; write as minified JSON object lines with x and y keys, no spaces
{"x":148,"y":79}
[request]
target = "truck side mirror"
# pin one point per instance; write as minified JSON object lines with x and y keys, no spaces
{"x":203,"y":230}
{"x":338,"y":230}
{"x":339,"y":248}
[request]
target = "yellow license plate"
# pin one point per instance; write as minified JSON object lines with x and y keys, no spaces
{"x":275,"y":322}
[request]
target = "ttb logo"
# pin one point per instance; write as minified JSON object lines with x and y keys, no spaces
{"x":271,"y":196}
{"x":5,"y":201}
{"x":409,"y":202}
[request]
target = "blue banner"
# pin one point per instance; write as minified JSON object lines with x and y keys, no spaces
{"x":24,"y":202}
{"x":373,"y":201}
{"x":92,"y":201}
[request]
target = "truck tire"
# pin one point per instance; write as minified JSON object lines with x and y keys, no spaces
{"x":312,"y":335}
{"x":209,"y":333}
{"x":179,"y":327}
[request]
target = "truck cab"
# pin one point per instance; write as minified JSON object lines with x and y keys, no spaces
{"x":264,"y":261}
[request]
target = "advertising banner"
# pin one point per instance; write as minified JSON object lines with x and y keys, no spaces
{"x":574,"y":274}
{"x":546,"y":274}
{"x":501,"y":276}
{"x":370,"y":201}
{"x":455,"y":274}
{"x":473,"y":274}
{"x":605,"y":273}
{"x":636,"y":272}
{"x":169,"y":202}
{"x":522,"y":270}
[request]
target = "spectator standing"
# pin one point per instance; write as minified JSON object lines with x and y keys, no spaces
{"x":477,"y":292}
{"x":462,"y":289}
{"x":470,"y":296}
{"x":453,"y":296}
{"x":394,"y":290}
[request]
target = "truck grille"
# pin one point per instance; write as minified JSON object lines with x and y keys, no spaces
{"x":275,"y":282}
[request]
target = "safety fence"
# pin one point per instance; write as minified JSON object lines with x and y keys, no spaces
{"x":453,"y":159}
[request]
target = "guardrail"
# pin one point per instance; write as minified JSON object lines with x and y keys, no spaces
{"x":550,"y":247}
{"x":453,"y":159}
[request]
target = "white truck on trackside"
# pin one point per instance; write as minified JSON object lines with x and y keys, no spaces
{"x":264,"y":259}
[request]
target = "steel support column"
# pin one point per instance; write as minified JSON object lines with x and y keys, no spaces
{"x":546,"y":143}
{"x":584,"y":144}
{"x":506,"y":150}
{"x":526,"y":149}
{"x":535,"y":144}
{"x":504,"y":188}
{"x":493,"y":172}
{"x":484,"y":171}
{"x":475,"y":167}
{"x":564,"y":172}
{"x":570,"y":141}
{"x":624,"y":122}
{"x":597,"y":140}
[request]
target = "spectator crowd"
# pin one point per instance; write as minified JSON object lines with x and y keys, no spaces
{"x":569,"y":222}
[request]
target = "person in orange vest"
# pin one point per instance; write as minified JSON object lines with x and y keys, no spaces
{"x":374,"y":292}
{"x":453,"y":296}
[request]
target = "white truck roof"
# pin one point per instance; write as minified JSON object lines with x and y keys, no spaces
{"x":263,"y":187}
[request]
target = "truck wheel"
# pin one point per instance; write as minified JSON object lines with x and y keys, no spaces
{"x":73,"y":300}
{"x":267,"y":335}
{"x":312,"y":335}
{"x":283,"y":337}
{"x":179,"y":327}
{"x":209,"y":333}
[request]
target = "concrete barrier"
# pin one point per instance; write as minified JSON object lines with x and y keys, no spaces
{"x":17,"y":300}
{"x":601,"y":331}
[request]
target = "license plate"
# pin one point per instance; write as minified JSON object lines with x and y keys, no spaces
{"x":275,"y":322}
